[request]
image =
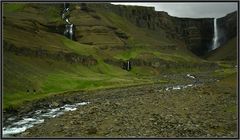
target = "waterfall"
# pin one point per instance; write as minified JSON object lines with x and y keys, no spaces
{"x":215,"y":38}
{"x":68,"y":32}
{"x":128,"y":66}
{"x":71,"y":31}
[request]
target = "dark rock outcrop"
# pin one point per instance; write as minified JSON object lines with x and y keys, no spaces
{"x":41,"y":53}
{"x":197,"y":33}
{"x":158,"y":63}
{"x":227,"y":27}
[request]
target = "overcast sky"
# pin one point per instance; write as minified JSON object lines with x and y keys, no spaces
{"x":188,"y":9}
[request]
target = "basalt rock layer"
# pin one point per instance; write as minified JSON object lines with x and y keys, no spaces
{"x":227,"y":26}
{"x":196,"y":33}
{"x":59,"y":55}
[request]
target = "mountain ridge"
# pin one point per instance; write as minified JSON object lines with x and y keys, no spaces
{"x":38,"y":57}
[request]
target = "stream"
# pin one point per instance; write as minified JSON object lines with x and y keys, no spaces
{"x":15,"y":126}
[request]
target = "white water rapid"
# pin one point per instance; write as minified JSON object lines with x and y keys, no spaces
{"x":39,"y":116}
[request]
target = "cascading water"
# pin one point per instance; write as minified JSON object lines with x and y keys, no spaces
{"x":68,"y":32}
{"x":16,"y":125}
{"x":215,"y":38}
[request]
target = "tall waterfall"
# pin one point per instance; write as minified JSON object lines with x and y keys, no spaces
{"x":215,"y":38}
{"x":68,"y":32}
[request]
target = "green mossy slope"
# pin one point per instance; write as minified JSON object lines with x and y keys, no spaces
{"x":34,"y":42}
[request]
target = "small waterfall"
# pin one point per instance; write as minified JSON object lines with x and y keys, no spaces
{"x":127,"y":65}
{"x":215,"y":38}
{"x":71,"y":31}
{"x":68,"y":32}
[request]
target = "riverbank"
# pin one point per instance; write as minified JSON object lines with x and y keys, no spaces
{"x":202,"y":107}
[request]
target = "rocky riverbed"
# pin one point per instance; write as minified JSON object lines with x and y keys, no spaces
{"x":202,"y":108}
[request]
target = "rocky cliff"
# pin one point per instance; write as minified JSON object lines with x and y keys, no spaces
{"x":197,"y":33}
{"x":227,"y":31}
{"x":227,"y":27}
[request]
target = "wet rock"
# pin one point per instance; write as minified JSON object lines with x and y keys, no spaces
{"x":69,"y":100}
{"x":44,"y":111}
{"x":55,"y":104}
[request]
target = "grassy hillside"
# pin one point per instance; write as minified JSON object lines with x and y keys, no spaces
{"x":23,"y":75}
{"x":35,"y":52}
{"x":226,"y":52}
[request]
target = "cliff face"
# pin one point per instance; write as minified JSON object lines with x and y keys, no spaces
{"x":227,"y":27}
{"x":227,"y":33}
{"x":197,"y":33}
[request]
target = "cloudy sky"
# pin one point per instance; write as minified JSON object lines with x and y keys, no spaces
{"x":188,"y":9}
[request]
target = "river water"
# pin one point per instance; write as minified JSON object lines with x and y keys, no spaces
{"x":15,"y":126}
{"x":39,"y":116}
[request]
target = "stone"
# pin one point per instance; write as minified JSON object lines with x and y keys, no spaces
{"x":81,"y":112}
{"x":25,"y":133}
{"x":151,"y":119}
{"x":54,"y":104}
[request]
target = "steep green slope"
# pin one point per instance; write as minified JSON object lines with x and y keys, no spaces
{"x":227,"y":52}
{"x":23,"y":75}
{"x":38,"y":57}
